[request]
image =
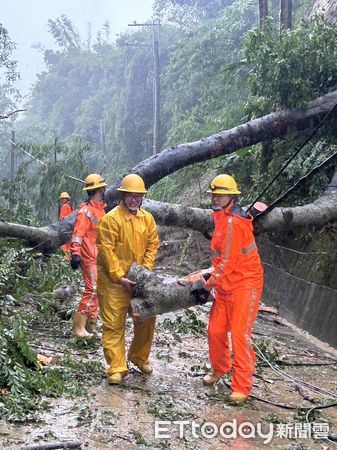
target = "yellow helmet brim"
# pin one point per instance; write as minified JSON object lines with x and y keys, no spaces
{"x":132,"y":191}
{"x":94,"y":186}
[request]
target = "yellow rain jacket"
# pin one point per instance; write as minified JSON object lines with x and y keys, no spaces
{"x":124,"y":238}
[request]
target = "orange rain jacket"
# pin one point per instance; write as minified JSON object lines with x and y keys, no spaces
{"x":235,"y":257}
{"x":83,"y":239}
{"x":65,"y":210}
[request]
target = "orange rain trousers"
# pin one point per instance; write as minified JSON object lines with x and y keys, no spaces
{"x":83,"y":244}
{"x":89,"y":302}
{"x":234,"y":313}
{"x":65,"y":210}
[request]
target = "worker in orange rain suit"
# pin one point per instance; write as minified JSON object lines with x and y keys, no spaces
{"x":84,"y":254}
{"x":238,"y":281}
{"x":127,"y":234}
{"x":65,"y":209}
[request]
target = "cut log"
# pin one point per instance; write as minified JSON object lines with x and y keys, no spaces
{"x":156,"y":294}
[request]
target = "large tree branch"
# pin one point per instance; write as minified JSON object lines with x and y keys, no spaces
{"x":47,"y":239}
{"x":271,"y":126}
{"x":312,"y":215}
{"x":7,"y":116}
{"x":267,"y":128}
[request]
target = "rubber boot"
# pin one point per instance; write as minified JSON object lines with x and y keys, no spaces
{"x":146,"y":368}
{"x":211,"y":378}
{"x":91,"y":327}
{"x":237,"y":398}
{"x":79,"y":323}
{"x":115,"y":378}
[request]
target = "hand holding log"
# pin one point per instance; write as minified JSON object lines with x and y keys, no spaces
{"x":156,"y":294}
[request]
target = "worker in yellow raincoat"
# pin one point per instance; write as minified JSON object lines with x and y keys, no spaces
{"x":127,"y":234}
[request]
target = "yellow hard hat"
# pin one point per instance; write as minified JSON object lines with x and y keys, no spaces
{"x":64,"y":195}
{"x":93,"y":181}
{"x":132,"y":183}
{"x":223,"y":184}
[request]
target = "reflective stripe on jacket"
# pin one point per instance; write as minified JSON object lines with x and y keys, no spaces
{"x":83,"y":239}
{"x":122,"y":239}
{"x":235,"y":256}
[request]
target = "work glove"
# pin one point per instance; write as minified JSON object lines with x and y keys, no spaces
{"x":75,"y":262}
{"x":200,"y":294}
{"x":207,"y":276}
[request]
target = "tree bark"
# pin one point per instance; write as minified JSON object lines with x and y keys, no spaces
{"x":266,"y":128}
{"x":308,"y":217}
{"x":46,"y":239}
{"x":156,"y":294}
{"x":263,"y":11}
{"x":285,"y":15}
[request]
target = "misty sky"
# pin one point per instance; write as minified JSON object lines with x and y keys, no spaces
{"x":26,"y":22}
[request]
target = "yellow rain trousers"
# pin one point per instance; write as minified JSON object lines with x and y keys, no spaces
{"x":122,"y":239}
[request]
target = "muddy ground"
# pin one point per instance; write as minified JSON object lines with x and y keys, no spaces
{"x":130,"y":415}
{"x":123,"y":417}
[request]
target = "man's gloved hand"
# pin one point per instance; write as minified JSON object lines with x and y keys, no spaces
{"x":207,"y":276}
{"x":200,"y":293}
{"x":75,"y":262}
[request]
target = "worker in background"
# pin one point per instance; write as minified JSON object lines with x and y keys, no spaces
{"x":84,"y":254}
{"x":237,"y":280}
{"x":65,"y":209}
{"x":127,"y":234}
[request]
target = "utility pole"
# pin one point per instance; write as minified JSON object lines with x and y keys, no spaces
{"x":156,"y":90}
{"x":156,"y":80}
{"x":55,"y":149}
{"x":102,"y":135}
{"x":12,"y":153}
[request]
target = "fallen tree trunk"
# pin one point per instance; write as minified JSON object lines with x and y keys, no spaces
{"x":46,"y":239}
{"x":266,"y":128}
{"x":156,"y":294}
{"x":308,"y":217}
